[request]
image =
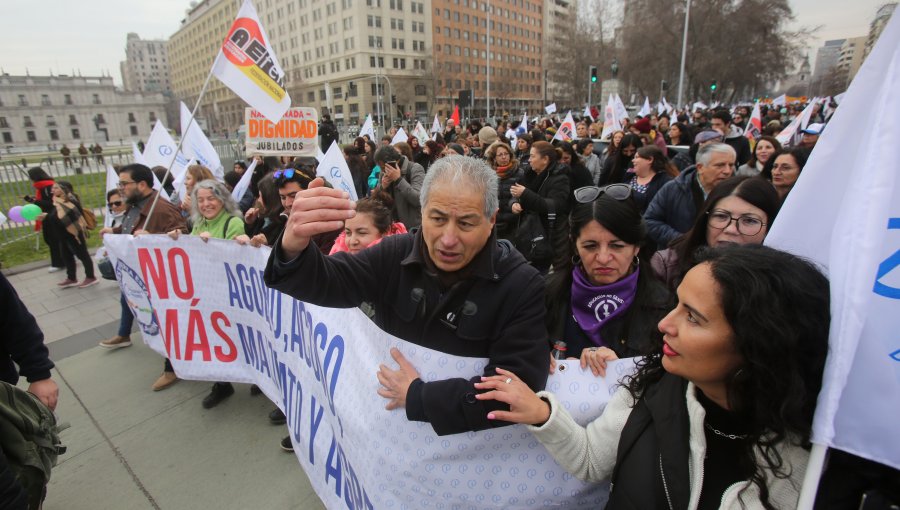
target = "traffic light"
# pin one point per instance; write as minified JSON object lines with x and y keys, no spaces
{"x":664,"y":85}
{"x":394,"y":99}
{"x":593,"y":74}
{"x":713,"y":86}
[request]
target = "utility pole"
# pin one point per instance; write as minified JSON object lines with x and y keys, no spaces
{"x":487,"y":104}
{"x":687,"y":17}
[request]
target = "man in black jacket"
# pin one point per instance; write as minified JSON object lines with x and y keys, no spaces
{"x":451,"y":286}
{"x":328,"y":132}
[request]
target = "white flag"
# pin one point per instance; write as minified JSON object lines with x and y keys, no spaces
{"x":645,"y":110}
{"x":401,"y":136}
{"x":611,"y":122}
{"x":621,"y":111}
{"x":159,"y":187}
{"x":368,"y":129}
{"x":196,"y":145}
{"x":780,"y":100}
{"x":319,"y":154}
{"x":244,"y":184}
{"x":333,"y":168}
{"x":136,"y":154}
{"x":699,"y":105}
{"x":857,"y":409}
{"x":566,"y":130}
{"x":436,"y":125}
{"x":550,"y":108}
{"x":791,"y":134}
{"x":247,"y":65}
{"x":511,"y":136}
{"x":754,"y":125}
{"x":160,"y":151}
{"x":587,"y":112}
{"x":112,"y":182}
{"x":523,"y":127}
{"x":660,"y":108}
{"x":420,"y":133}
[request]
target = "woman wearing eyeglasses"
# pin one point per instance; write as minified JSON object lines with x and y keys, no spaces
{"x":720,"y":415}
{"x":738,"y":211}
{"x":604,"y":302}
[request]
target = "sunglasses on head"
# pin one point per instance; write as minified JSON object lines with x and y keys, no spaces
{"x":588,"y":194}
{"x":287,"y":173}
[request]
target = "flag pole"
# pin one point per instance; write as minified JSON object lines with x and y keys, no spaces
{"x":183,"y":134}
{"x":814,"y":469}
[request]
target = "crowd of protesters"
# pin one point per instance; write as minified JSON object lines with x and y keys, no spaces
{"x":651,"y":217}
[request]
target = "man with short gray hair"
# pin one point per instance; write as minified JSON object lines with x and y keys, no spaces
{"x":450,"y":286}
{"x":674,"y":208}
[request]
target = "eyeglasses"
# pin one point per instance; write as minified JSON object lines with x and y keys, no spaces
{"x":115,"y":203}
{"x":287,"y":173}
{"x":122,"y":184}
{"x":588,"y":194}
{"x":746,"y":225}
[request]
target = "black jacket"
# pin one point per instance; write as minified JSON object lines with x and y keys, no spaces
{"x":506,"y":219}
{"x":674,"y":208}
{"x":22,"y":340}
{"x":550,"y":187}
{"x":329,"y":134}
{"x":496,"y":313}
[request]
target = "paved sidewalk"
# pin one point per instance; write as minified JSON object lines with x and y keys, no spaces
{"x":132,"y":448}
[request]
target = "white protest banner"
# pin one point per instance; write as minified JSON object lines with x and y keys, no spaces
{"x":566,"y":130}
{"x":587,"y":112}
{"x":791,"y":134}
{"x":611,"y":121}
{"x":856,"y":410}
{"x":420,"y":133}
{"x":206,"y":307}
{"x":780,"y":100}
{"x":296,"y":134}
{"x":195,"y":145}
{"x":319,"y":154}
{"x":699,"y":105}
{"x":523,"y":127}
{"x":400,"y":136}
{"x":660,"y":108}
{"x":160,"y":151}
{"x":621,"y":111}
{"x":645,"y":110}
{"x":367,"y":128}
{"x":550,"y":108}
{"x":436,"y":125}
{"x":136,"y":154}
{"x":333,"y":168}
{"x":247,"y":65}
{"x":244,"y":184}
{"x":754,"y":126}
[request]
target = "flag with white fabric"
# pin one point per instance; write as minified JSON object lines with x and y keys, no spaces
{"x":587,"y":112}
{"x":244,"y":184}
{"x":420,"y":133}
{"x":611,"y":122}
{"x":160,"y":151}
{"x":754,"y":126}
{"x":699,"y":105}
{"x":791,"y":134}
{"x":566,"y":130}
{"x":621,"y":111}
{"x":400,"y":136}
{"x":550,"y":108}
{"x":780,"y":100}
{"x":195,"y":145}
{"x":523,"y":127}
{"x":247,"y":64}
{"x":436,"y":125}
{"x":367,"y":128}
{"x":333,"y":168}
{"x":136,"y":154}
{"x":112,"y":183}
{"x":512,"y":136}
{"x":645,"y":110}
{"x":660,"y":108}
{"x":856,"y":238}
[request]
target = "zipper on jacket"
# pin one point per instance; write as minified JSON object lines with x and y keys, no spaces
{"x":665,"y":485}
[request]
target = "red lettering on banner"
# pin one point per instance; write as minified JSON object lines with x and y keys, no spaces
{"x":196,"y":336}
{"x":154,"y":274}
{"x":217,"y":318}
{"x":188,"y":292}
{"x":171,"y":337}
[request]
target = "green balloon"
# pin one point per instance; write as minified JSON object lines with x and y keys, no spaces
{"x":30,"y":212}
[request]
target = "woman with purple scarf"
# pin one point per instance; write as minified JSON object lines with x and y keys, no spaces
{"x":605,"y":303}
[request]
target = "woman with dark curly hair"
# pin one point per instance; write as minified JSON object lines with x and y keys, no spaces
{"x":784,"y":169}
{"x":720,"y":415}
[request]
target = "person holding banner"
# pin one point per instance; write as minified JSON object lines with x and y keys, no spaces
{"x":215,"y":214}
{"x":720,"y":415}
{"x":604,"y":302}
{"x":450,"y":286}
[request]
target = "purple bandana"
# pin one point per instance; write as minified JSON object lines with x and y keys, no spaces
{"x":592,"y":306}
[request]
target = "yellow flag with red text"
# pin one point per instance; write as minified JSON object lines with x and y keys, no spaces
{"x":248,"y":66}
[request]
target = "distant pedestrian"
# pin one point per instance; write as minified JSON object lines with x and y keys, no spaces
{"x":66,"y":153}
{"x":83,"y":153}
{"x":97,"y":151}
{"x":43,"y":198}
{"x":69,"y":220}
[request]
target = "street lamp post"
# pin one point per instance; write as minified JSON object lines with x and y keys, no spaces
{"x":687,"y":17}
{"x":487,"y":41}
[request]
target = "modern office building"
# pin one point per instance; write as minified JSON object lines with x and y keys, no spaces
{"x":145,"y":68}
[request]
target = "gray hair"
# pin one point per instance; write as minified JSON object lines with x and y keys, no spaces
{"x":459,"y":172}
{"x":706,"y":152}
{"x":220,"y":192}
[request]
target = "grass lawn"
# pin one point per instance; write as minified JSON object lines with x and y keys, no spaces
{"x":23,"y":251}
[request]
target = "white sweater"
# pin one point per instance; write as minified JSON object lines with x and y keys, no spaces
{"x":590,"y":453}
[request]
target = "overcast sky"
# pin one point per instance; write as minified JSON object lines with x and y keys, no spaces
{"x":62,"y":35}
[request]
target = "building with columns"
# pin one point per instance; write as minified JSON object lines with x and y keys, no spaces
{"x":48,"y":111}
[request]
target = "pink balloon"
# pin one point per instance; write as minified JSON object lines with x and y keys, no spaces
{"x":15,"y":214}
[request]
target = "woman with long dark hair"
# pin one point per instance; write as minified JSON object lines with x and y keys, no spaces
{"x":359,"y":171}
{"x":604,"y":302}
{"x":720,"y":414}
{"x":784,"y":169}
{"x":739,"y":210}
{"x":679,"y":134}
{"x":579,"y":175}
{"x":764,"y":150}
{"x":652,"y":169}
{"x":67,"y":218}
{"x":615,"y":169}
{"x":43,"y":198}
{"x":264,"y":222}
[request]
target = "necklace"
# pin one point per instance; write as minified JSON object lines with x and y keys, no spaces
{"x":720,"y":433}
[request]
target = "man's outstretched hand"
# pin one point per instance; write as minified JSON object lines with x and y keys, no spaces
{"x":316,"y":210}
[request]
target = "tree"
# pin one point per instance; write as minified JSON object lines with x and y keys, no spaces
{"x":741,"y":44}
